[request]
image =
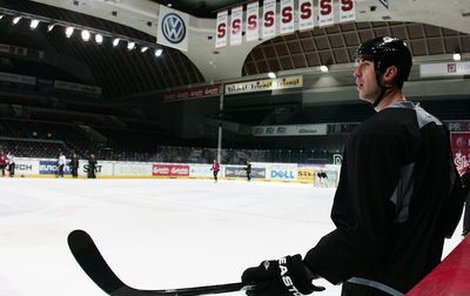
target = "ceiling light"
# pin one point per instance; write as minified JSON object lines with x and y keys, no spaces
{"x":144,"y":49}
{"x":85,"y":35}
{"x":272,"y":75}
{"x":16,"y":20}
{"x":158,"y":52}
{"x":115,"y":42}
{"x":130,"y":45}
{"x":50,"y":27}
{"x":69,"y":31}
{"x":457,"y":56}
{"x":34,"y":24}
{"x":99,"y":38}
{"x":324,"y":68}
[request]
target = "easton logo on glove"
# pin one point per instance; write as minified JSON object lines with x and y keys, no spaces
{"x":286,"y":278}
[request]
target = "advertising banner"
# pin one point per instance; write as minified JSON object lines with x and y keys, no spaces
{"x":460,"y":145}
{"x":240,"y":172}
{"x":25,"y":166}
{"x":173,"y":28}
{"x":306,"y":175}
{"x":290,"y":130}
{"x":170,"y":170}
{"x":313,"y":174}
{"x":458,"y":125}
{"x":201,"y":170}
{"x":264,"y":85}
{"x":444,"y":69}
{"x":50,"y":167}
{"x":132,"y":169}
{"x":103,"y":168}
{"x":282,"y":174}
{"x":193,"y":93}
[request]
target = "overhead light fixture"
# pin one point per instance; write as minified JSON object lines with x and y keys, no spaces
{"x":99,"y":38}
{"x":272,"y":75}
{"x":69,"y":31}
{"x":35,"y":21}
{"x":85,"y":35}
{"x":324,"y":68}
{"x":130,"y":45}
{"x":34,"y":24}
{"x":16,"y":20}
{"x":457,"y":56}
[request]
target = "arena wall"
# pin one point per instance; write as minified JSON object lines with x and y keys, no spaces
{"x":274,"y":172}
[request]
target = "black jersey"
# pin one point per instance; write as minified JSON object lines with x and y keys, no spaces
{"x":393,"y":206}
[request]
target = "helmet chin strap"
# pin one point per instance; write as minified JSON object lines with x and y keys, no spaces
{"x":383,"y":90}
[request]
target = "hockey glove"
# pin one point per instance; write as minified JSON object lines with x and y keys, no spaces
{"x":284,"y":277}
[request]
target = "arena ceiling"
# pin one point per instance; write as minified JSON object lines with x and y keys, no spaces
{"x":435,"y":29}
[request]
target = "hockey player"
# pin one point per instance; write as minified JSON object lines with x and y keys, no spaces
{"x":74,"y":164}
{"x":215,"y":168}
{"x":3,"y":162}
{"x":92,"y":166}
{"x":248,"y":170}
{"x":398,"y":196}
{"x":11,"y":164}
{"x":322,"y":178}
{"x":61,"y":163}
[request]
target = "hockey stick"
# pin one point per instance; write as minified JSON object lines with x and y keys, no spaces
{"x":92,"y":262}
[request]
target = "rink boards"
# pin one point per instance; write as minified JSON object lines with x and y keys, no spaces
{"x":450,"y":278}
{"x":281,"y":172}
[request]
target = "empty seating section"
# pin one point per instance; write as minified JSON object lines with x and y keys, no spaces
{"x":33,"y":148}
{"x":32,"y":125}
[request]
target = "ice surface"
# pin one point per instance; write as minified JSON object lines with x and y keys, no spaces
{"x":155,"y":234}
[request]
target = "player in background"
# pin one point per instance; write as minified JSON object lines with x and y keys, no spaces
{"x":215,"y":168}
{"x":92,"y":167}
{"x":61,"y":162}
{"x":248,"y":170}
{"x":74,"y":164}
{"x":3,"y":162}
{"x":322,"y":178}
{"x":11,"y":164}
{"x":398,"y":196}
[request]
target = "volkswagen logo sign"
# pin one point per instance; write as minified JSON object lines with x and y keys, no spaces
{"x":173,"y":28}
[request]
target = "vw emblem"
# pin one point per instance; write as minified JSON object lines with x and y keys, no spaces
{"x":173,"y":28}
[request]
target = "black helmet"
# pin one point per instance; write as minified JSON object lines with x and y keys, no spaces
{"x":386,"y":52}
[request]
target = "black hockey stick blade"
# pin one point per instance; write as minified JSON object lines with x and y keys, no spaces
{"x":92,"y":262}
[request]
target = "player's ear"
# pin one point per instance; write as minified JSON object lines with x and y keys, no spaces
{"x":390,"y":75}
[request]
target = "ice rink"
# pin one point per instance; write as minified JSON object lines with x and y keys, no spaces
{"x":155,"y":234}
